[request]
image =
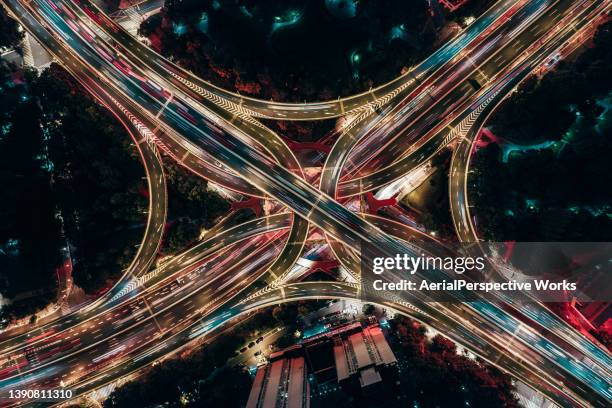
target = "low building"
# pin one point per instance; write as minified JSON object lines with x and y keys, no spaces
{"x":358,"y":358}
{"x":282,"y":383}
{"x":364,"y":357}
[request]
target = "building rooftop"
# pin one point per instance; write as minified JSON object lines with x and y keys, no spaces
{"x":362,"y":352}
{"x":369,"y":376}
{"x":281,"y":384}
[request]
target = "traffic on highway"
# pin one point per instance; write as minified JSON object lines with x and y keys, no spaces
{"x":397,"y":128}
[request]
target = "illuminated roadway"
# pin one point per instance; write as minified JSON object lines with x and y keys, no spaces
{"x":300,"y":111}
{"x":278,"y":182}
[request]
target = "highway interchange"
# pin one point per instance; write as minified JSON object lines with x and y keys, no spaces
{"x":216,"y":134}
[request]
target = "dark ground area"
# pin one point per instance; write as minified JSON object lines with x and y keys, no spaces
{"x":191,"y":207}
{"x":296,"y":50}
{"x":560,"y":192}
{"x":98,"y":180}
{"x":433,"y":374}
{"x":431,"y":198}
{"x":430,"y":374}
{"x":10,"y":36}
{"x":202,"y":378}
{"x":69,"y":177}
{"x":29,"y":232}
{"x":300,"y":50}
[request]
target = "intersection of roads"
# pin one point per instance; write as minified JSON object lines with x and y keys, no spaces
{"x":387,"y":133}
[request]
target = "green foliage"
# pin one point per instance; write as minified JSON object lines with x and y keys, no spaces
{"x":62,"y":158}
{"x":191,"y":207}
{"x":229,"y":387}
{"x":190,"y":197}
{"x":568,"y":191}
{"x":148,"y":26}
{"x":10,"y":36}
{"x":283,"y":58}
{"x":288,"y":313}
{"x":201,"y":379}
{"x":436,"y":215}
{"x":181,"y":234}
{"x":531,"y":114}
{"x":542,"y":109}
{"x":559,"y":193}
{"x":29,"y":231}
{"x":284,"y":314}
{"x":97,"y":180}
{"x":367,"y":309}
{"x":433,"y":374}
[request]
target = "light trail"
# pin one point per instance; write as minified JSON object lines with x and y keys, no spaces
{"x":229,"y":143}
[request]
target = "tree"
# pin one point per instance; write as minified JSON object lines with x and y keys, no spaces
{"x":180,"y":235}
{"x":228,"y":387}
{"x":10,"y":36}
{"x":200,"y":379}
{"x":97,"y":179}
{"x":68,"y":177}
{"x":283,"y":58}
{"x":521,"y":199}
{"x":435,"y":375}
{"x":368,"y":309}
{"x":189,"y":196}
{"x":30,"y":239}
{"x":440,"y":344}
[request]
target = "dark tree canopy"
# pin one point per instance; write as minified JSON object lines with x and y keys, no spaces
{"x":200,"y":379}
{"x":435,"y":375}
{"x":97,"y":180}
{"x":544,"y":109}
{"x":10,"y":36}
{"x":68,"y":180}
{"x":295,"y":49}
{"x":558,"y":192}
{"x":192,"y":206}
{"x":29,"y":231}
